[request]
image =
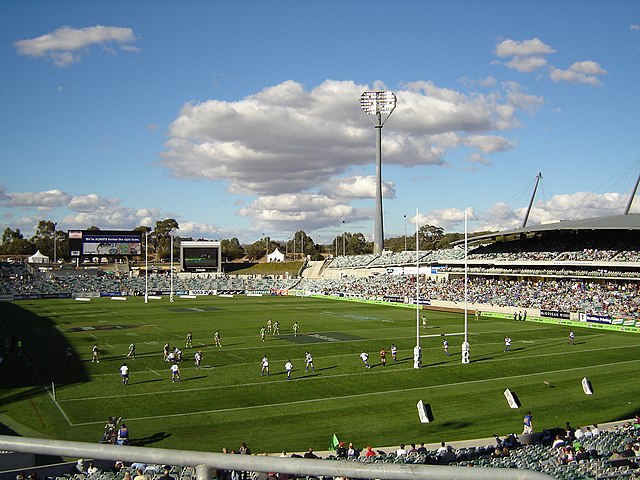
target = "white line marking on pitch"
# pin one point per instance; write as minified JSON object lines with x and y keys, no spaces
{"x":357,"y":395}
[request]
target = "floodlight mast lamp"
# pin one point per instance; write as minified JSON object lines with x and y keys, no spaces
{"x":379,"y":104}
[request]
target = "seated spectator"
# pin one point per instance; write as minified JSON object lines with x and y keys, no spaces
{"x":341,"y":451}
{"x":140,"y":475}
{"x":401,"y":451}
{"x":587,"y":432}
{"x":413,"y":450}
{"x":422,"y":450}
{"x":441,"y":449}
{"x":558,"y":442}
{"x":80,"y":468}
{"x":92,"y":469}
{"x":352,"y":452}
{"x":309,"y":454}
{"x":582,"y":455}
{"x":578,"y":433}
{"x":370,"y":452}
{"x":166,"y":473}
{"x":595,"y":430}
{"x":628,"y":451}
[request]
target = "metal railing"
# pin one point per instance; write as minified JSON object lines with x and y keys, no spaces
{"x":205,"y":462}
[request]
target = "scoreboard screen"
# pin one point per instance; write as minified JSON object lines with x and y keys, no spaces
{"x":104,"y":243}
{"x":200,"y":257}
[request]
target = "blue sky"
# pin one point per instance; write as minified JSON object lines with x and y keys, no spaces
{"x":242,"y":118}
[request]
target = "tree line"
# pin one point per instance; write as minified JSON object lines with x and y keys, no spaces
{"x":47,"y":239}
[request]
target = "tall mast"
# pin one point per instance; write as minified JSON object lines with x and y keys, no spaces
{"x":526,"y":216}
{"x":633,"y":195}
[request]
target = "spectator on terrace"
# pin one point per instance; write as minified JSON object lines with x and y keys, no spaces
{"x":309,"y":454}
{"x":80,"y":467}
{"x":352,"y":452}
{"x":595,"y":430}
{"x":582,"y":455}
{"x":341,"y":451}
{"x":370,"y":452}
{"x":140,"y":475}
{"x":92,"y":469}
{"x":422,"y":450}
{"x":166,"y":473}
{"x":441,"y":449}
{"x":628,"y":451}
{"x":558,"y":442}
{"x":401,"y":451}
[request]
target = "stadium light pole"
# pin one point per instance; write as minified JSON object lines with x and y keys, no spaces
{"x":344,"y":243}
{"x":405,"y":233}
{"x":379,"y":104}
{"x":55,"y":258}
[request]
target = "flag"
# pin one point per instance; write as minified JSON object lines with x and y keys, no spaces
{"x":334,"y":443}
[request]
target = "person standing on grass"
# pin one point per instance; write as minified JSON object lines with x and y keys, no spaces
{"x":189,"y":343}
{"x":265,"y":366}
{"x":445,"y":346}
{"x":198,"y":358}
{"x":269,"y":325}
{"x":96,"y":354}
{"x":572,"y":337}
{"x":308,"y":358}
{"x":296,"y":327}
{"x":263,"y":333}
{"x":276,"y":327}
{"x":175,"y":373}
{"x":383,"y":357}
{"x":124,"y":373}
{"x":528,"y":424}
{"x":394,"y":352}
{"x":365,"y":359}
{"x":288,"y":367}
{"x":216,"y":339}
{"x":166,"y":350}
{"x":132,"y":351}
{"x":507,"y":343}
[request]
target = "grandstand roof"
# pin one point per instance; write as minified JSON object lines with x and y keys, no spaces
{"x":614,"y":222}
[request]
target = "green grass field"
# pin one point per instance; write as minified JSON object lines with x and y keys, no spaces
{"x":227,"y":401}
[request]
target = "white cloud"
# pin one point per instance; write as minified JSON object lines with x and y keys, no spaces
{"x":288,"y":212}
{"x":579,"y":72}
{"x":634,"y":27}
{"x":358,"y":187}
{"x":285,"y":139}
{"x":513,"y":48}
{"x":449,"y":218}
{"x":41,"y":200}
{"x":63,"y":46}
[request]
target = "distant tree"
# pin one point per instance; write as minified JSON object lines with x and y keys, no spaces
{"x":93,"y":228}
{"x":14,"y":243}
{"x":231,"y":249}
{"x":162,"y":237}
{"x":43,"y":238}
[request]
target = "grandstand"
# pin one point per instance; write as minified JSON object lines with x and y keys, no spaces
{"x":583,"y":272}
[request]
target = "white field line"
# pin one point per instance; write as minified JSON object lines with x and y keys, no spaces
{"x":359,"y":395}
{"x":390,"y":370}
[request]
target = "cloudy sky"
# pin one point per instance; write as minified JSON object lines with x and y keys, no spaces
{"x":242,"y":118}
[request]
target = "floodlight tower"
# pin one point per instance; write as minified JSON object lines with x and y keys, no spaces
{"x":379,"y":104}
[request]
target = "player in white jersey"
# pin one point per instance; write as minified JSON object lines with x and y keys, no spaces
{"x":96,"y":353}
{"x":507,"y":343}
{"x":265,"y":366}
{"x":445,"y":347}
{"x":175,"y":373}
{"x":365,"y":358}
{"x":308,"y":358}
{"x":198,"y":358}
{"x":394,"y":352}
{"x":124,"y":373}
{"x":288,"y":368}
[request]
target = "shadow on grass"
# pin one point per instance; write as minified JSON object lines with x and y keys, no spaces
{"x":194,"y":378}
{"x":155,"y":438}
{"x":149,"y":381}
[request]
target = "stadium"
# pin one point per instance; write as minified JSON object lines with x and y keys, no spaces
{"x":564,"y":294}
